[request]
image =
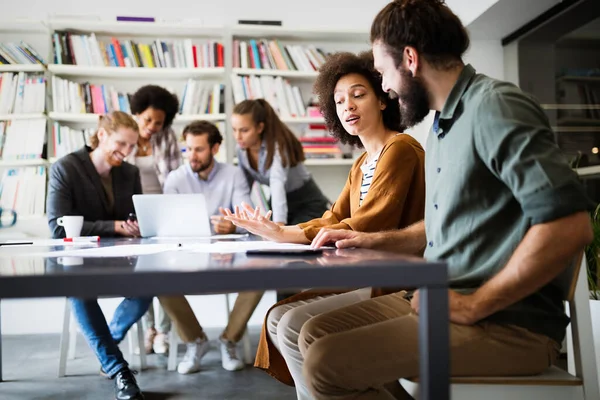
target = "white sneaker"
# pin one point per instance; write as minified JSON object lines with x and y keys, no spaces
{"x":193,"y":354}
{"x":161,"y":343}
{"x":229,"y":357}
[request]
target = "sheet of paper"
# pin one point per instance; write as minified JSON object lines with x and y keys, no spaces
{"x":240,"y":247}
{"x":114,"y":251}
{"x":231,"y":236}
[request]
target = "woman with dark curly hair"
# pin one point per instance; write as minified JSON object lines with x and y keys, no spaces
{"x":156,"y":155}
{"x":157,"y":152}
{"x":384,"y":190}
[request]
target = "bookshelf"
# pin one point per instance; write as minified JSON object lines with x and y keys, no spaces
{"x":330,"y":173}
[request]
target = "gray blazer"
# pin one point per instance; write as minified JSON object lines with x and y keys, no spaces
{"x":75,"y":188}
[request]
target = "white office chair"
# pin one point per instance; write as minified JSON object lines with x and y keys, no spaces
{"x":174,"y":341}
{"x":68,"y":341}
{"x":580,"y":383}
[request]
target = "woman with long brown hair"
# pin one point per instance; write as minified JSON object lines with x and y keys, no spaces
{"x":269,"y":153}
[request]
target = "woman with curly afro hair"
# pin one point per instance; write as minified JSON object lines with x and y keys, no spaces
{"x":385,"y":190}
{"x":156,"y":155}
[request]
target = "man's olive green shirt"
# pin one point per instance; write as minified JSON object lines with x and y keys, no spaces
{"x":493,"y":169}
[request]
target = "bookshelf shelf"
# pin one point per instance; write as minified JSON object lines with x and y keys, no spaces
{"x":321,"y":34}
{"x":185,"y":118}
{"x":588,"y":171}
{"x":303,"y":120}
{"x":578,"y":121}
{"x":575,"y":129}
{"x":93,"y":118}
{"x":154,"y":29}
{"x":10,"y":117}
{"x":22,"y":68}
{"x":135,"y":73}
{"x":38,"y":162}
{"x":571,"y":106}
{"x":580,"y":79}
{"x":276,"y":72}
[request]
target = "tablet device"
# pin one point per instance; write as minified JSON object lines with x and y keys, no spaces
{"x":284,"y":252}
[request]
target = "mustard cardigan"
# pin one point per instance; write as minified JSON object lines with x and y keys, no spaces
{"x":396,"y":199}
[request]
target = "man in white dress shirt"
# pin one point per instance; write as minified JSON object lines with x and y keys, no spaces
{"x":224,"y":186}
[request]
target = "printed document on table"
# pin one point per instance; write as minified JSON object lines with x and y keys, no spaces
{"x":114,"y":251}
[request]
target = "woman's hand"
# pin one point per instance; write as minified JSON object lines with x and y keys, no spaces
{"x":251,"y":219}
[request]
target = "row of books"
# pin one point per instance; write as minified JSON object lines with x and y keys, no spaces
{"x":24,"y":190}
{"x":317,"y":143}
{"x":263,"y":54}
{"x":67,"y":140}
{"x":78,"y":98}
{"x":22,"y":139}
{"x":22,"y":93}
{"x":19,"y":53}
{"x":74,"y":97}
{"x":202,"y":98}
{"x":89,"y":51}
{"x":283,"y":97}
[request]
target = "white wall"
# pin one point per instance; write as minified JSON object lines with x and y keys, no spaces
{"x":44,"y":316}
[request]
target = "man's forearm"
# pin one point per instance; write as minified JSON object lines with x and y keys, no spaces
{"x":411,"y":240}
{"x":542,"y":255}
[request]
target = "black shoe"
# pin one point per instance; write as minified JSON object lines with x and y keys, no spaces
{"x":126,"y":387}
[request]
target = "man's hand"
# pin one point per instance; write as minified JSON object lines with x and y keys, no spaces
{"x":220,"y":224}
{"x":343,"y":239}
{"x":127,"y":228}
{"x":462,"y":308}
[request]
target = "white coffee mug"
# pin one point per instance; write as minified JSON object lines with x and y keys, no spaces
{"x":72,"y":225}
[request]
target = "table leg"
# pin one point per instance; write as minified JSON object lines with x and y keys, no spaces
{"x":0,"y":342}
{"x":434,"y":344}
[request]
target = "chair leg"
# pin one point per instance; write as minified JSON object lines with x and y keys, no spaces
{"x":248,"y":359}
{"x":173,"y":347}
{"x":140,"y":343}
{"x":64,"y":341}
{"x":73,"y":336}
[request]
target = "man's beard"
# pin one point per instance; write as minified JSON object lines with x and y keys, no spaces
{"x":413,"y":99}
{"x":203,"y":167}
{"x":113,"y":162}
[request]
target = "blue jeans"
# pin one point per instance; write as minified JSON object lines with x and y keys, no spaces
{"x":102,"y":338}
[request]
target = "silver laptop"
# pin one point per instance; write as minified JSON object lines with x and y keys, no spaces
{"x":172,"y":215}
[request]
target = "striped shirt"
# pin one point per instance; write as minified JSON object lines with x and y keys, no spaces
{"x":368,"y":171}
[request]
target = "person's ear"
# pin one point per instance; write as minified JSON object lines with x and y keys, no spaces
{"x":215,"y":149}
{"x":102,"y":134}
{"x":411,"y":59}
{"x":260,"y":128}
{"x":382,"y":105}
